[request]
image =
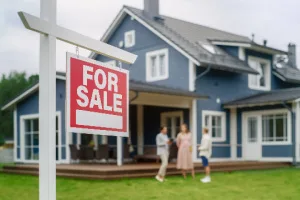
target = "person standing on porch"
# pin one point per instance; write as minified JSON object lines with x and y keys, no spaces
{"x":205,"y":153}
{"x":184,"y":157}
{"x":162,"y":143}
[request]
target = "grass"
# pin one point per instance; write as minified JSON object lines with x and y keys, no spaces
{"x":272,"y":184}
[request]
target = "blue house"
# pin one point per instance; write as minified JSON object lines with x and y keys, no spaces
{"x":188,"y":73}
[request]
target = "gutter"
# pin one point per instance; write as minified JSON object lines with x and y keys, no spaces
{"x":135,"y":97}
{"x":293,"y":131}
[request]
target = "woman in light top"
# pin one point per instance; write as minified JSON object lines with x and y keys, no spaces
{"x":184,"y":157}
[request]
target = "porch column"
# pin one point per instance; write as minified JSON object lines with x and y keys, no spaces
{"x":119,"y":151}
{"x":297,"y":130}
{"x":95,"y":138}
{"x":193,"y":127}
{"x":78,"y":139}
{"x":140,"y":129}
{"x":233,"y":133}
{"x":104,"y":139}
{"x":15,"y":135}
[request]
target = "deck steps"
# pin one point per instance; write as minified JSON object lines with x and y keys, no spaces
{"x":109,"y":172}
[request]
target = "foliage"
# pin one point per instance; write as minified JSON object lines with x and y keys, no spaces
{"x":273,"y":184}
{"x":12,"y":85}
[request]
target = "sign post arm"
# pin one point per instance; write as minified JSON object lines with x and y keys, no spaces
{"x":47,"y":106}
{"x":119,"y":151}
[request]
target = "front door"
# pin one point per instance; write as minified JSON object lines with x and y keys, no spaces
{"x":252,"y":144}
{"x":172,"y":120}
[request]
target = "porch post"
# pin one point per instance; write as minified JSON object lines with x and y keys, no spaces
{"x":297,"y":131}
{"x":95,"y":138}
{"x":119,"y":151}
{"x":193,"y":127}
{"x":140,"y":129}
{"x":233,"y":133}
{"x":15,"y":135}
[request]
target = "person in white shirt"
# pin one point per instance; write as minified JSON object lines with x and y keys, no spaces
{"x":162,"y":143}
{"x":205,"y":153}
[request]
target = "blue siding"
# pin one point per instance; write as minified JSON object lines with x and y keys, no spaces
{"x":30,"y":106}
{"x":277,"y":151}
{"x":146,"y":41}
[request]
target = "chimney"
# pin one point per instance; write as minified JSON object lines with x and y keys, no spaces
{"x":292,"y":55}
{"x":151,"y":8}
{"x":265,"y":42}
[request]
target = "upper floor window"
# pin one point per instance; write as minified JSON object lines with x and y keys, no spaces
{"x":215,"y":121}
{"x":129,"y":39}
{"x":157,"y":65}
{"x":261,"y":81}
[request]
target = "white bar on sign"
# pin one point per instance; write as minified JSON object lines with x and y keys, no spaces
{"x":88,"y":118}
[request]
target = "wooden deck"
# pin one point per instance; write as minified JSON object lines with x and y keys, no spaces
{"x":107,"y":172}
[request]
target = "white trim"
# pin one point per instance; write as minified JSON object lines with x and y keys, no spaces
{"x":276,"y":159}
{"x":233,"y":133}
{"x":193,"y":125}
{"x":223,"y":125}
{"x":254,"y":105}
{"x":140,"y":129}
{"x":165,"y":115}
{"x":157,"y":54}
{"x":26,"y":93}
{"x":242,"y":55}
{"x":22,"y":138}
{"x":161,"y":36}
{"x":126,"y":42}
{"x":15,"y":136}
{"x":269,"y":112}
{"x":267,"y":76}
{"x":192,"y":76}
{"x":231,"y":43}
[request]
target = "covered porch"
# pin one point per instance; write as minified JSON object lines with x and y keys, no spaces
{"x":151,"y":106}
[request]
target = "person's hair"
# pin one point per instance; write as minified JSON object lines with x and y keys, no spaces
{"x":205,"y":130}
{"x":162,"y":127}
{"x":186,"y":126}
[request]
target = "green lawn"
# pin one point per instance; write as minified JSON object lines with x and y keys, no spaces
{"x":274,"y":184}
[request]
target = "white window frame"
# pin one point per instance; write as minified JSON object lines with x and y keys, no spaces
{"x":157,"y":53}
{"x":126,"y":35}
{"x":223,"y":123}
{"x":165,"y":115}
{"x":268,"y":74}
{"x":259,"y":114}
{"x":22,"y":137}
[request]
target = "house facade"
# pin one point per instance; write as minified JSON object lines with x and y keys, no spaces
{"x":188,"y":73}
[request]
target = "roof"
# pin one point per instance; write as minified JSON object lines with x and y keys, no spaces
{"x":189,"y":37}
{"x":266,"y":98}
{"x":136,"y":86}
{"x":288,"y":73}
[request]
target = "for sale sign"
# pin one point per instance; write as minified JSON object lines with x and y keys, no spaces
{"x":97,"y":97}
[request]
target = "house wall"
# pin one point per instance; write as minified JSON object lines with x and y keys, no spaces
{"x":146,"y":41}
{"x":31,"y":106}
{"x":268,"y":151}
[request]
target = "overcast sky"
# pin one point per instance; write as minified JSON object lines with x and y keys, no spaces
{"x":276,"y":20}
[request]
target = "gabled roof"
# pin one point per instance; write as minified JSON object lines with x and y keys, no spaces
{"x":136,"y":86}
{"x":288,"y":73}
{"x":266,"y":98}
{"x":188,"y":39}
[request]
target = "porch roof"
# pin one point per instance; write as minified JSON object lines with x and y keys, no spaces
{"x":139,"y":86}
{"x":135,"y":86}
{"x":266,"y":98}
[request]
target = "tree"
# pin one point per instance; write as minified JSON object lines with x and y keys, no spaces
{"x":11,"y":86}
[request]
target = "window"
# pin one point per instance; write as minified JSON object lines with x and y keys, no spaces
{"x":215,"y":121}
{"x":172,"y":120}
{"x":274,"y":128}
{"x":157,"y":65}
{"x":261,"y":81}
{"x":129,"y":39}
{"x":31,"y":138}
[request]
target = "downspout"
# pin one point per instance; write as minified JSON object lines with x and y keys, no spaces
{"x":293,"y":130}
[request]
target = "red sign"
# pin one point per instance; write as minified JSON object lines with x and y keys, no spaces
{"x":97,"y":97}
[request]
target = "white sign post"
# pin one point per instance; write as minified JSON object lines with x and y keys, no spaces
{"x":46,"y":25}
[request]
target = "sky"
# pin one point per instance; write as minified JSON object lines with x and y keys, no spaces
{"x":276,"y":20}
